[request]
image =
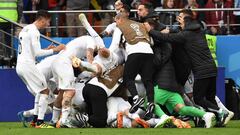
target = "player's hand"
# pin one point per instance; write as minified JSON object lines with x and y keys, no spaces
{"x":59,"y":48}
{"x":51,"y":46}
{"x":213,"y":30}
{"x":75,"y":61}
{"x":166,"y":30}
{"x":180,"y":19}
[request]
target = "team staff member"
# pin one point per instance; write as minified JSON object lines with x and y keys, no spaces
{"x":139,"y":61}
{"x":202,"y":63}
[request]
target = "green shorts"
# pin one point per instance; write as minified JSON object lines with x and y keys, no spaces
{"x":167,"y":98}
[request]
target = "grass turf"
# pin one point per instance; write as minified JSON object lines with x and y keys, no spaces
{"x":15,"y":128}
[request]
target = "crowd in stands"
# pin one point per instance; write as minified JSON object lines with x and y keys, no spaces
{"x":216,"y":21}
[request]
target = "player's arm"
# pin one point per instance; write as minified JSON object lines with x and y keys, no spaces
{"x":38,"y":51}
{"x":110,"y":28}
{"x":171,"y":37}
{"x":168,"y":37}
{"x":35,"y":39}
{"x":115,"y":40}
{"x":94,"y":68}
{"x":89,"y":55}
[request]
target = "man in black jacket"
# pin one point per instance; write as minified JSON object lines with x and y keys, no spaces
{"x":145,"y":13}
{"x":193,"y":40}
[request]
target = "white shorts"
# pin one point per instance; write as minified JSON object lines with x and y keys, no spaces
{"x":32,"y":77}
{"x":63,"y":73}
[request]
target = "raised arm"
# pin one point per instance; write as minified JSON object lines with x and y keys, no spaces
{"x":89,"y":55}
{"x":168,"y":37}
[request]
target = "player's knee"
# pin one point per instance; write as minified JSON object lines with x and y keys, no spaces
{"x":179,"y":108}
{"x":69,"y":93}
{"x":57,"y":103}
{"x":66,"y":102}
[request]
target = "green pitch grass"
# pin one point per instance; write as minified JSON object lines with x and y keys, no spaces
{"x":15,"y":128}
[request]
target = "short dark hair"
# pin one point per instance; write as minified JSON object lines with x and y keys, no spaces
{"x":43,"y":14}
{"x":126,"y":8}
{"x":187,"y":11}
{"x":121,"y":16}
{"x":153,"y":22}
{"x":148,"y":6}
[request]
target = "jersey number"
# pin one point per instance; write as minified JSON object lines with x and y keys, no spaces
{"x":136,"y":28}
{"x":20,"y":46}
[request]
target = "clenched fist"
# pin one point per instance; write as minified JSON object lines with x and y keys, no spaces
{"x":75,"y":61}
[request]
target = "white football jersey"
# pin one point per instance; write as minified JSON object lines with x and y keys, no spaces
{"x":45,"y":66}
{"x":29,"y":45}
{"x":78,"y":47}
{"x":107,"y":63}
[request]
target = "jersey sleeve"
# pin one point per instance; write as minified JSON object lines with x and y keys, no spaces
{"x":115,"y":40}
{"x":35,"y":39}
{"x":91,"y":43}
{"x":110,"y":28}
{"x":117,"y":57}
{"x":97,"y":60}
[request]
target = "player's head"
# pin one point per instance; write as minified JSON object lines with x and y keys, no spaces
{"x":120,"y":18}
{"x":153,"y":23}
{"x":144,"y":9}
{"x":43,"y":18}
{"x":184,"y":16}
{"x":168,"y":4}
{"x":186,"y":13}
{"x":125,"y":9}
{"x":118,"y":5}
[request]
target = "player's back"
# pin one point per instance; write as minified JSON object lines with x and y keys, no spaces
{"x":25,"y":48}
{"x":107,"y":63}
{"x":78,"y":46}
